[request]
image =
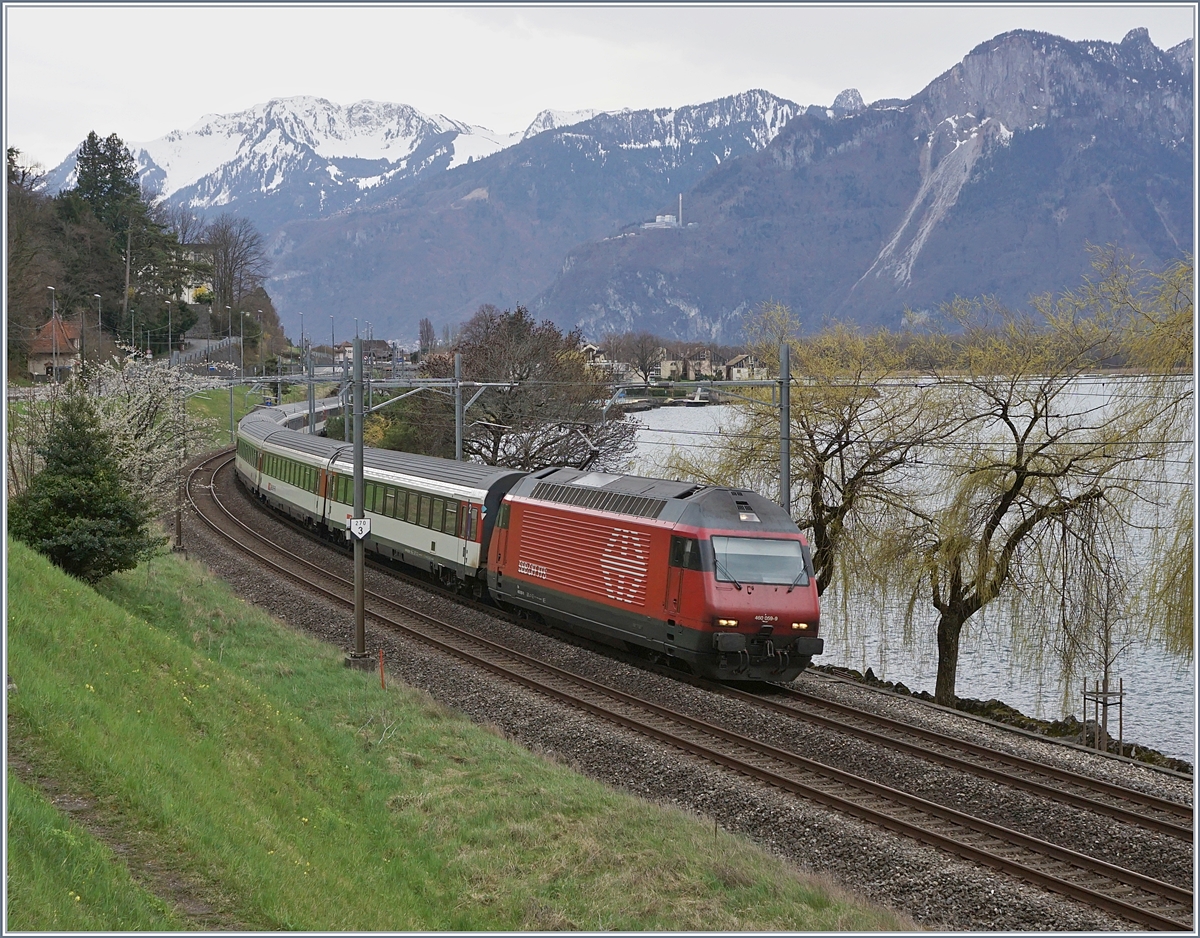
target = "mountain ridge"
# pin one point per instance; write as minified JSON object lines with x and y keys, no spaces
{"x":992,"y":178}
{"x":998,"y":174}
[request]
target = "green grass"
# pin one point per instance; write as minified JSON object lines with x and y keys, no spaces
{"x":213,"y":405}
{"x":64,"y":880}
{"x":300,"y":795}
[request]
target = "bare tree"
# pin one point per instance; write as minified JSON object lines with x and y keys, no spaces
{"x":553,"y":411}
{"x":186,"y":225}
{"x":240,"y":262}
{"x":641,"y":351}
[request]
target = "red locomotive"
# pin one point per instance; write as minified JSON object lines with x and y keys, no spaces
{"x":716,"y":578}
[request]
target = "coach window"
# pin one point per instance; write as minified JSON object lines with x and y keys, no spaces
{"x":472,"y":523}
{"x":413,"y":501}
{"x":426,"y":502}
{"x":451,"y":524}
{"x":369,"y":497}
{"x":436,"y":521}
{"x":389,"y":502}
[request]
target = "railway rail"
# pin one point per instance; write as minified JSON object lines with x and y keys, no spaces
{"x":1137,"y":898}
{"x":1126,"y":805}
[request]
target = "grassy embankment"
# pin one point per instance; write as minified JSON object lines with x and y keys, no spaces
{"x":244,"y":764}
{"x":213,"y":405}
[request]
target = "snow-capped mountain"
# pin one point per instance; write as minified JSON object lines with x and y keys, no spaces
{"x":313,"y":154}
{"x":496,"y":230}
{"x":992,"y":180}
{"x":549,"y":120}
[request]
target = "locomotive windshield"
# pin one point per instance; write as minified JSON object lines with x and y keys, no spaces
{"x":759,"y":560}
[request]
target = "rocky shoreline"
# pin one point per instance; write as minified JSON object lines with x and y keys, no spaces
{"x":1068,"y":730}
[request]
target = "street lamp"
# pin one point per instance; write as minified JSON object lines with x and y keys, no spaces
{"x":170,"y":347}
{"x":54,"y":331}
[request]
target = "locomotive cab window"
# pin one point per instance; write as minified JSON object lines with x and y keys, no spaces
{"x":759,"y":560}
{"x":685,"y":553}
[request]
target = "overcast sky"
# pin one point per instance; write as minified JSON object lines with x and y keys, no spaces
{"x":141,"y":71}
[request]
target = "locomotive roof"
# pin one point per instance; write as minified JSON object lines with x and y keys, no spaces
{"x":663,"y":499}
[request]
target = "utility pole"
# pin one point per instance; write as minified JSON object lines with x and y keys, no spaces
{"x":179,"y":461}
{"x":128,"y":245}
{"x":360,"y":527}
{"x":347,"y":419}
{"x":785,"y":427}
{"x":312,"y":391}
{"x":458,"y":407}
{"x":229,"y":310}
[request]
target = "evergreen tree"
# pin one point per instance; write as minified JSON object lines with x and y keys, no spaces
{"x":78,"y":510}
{"x":106,"y":178}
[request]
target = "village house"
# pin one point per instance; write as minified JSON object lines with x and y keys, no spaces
{"x":693,"y":366}
{"x":745,"y":368}
{"x":55,"y":352}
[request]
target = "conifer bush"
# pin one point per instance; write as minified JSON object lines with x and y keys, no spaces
{"x":78,"y":510}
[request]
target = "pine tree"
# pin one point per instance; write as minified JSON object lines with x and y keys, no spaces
{"x":78,"y":510}
{"x":106,"y":178}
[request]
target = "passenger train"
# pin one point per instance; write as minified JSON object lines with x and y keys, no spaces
{"x":717,"y":581}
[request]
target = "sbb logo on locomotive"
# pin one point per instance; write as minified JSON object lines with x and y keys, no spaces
{"x":532,"y":569}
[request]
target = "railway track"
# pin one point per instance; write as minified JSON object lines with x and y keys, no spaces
{"x":1126,"y":805}
{"x":1137,"y":898}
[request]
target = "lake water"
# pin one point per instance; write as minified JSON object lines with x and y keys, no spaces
{"x":1160,"y":699}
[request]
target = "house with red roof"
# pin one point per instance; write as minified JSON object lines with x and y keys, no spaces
{"x":54,"y":354}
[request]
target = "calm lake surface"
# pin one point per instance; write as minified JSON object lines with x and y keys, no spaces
{"x":1160,"y":698}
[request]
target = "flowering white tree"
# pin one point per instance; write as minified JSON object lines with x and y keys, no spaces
{"x":142,"y":406}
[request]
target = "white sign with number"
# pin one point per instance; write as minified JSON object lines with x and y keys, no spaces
{"x":360,"y":527}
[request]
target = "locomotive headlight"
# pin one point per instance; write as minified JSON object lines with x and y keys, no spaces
{"x":803,"y":626}
{"x":727,"y":623}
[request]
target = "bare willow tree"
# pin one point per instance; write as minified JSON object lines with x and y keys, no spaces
{"x":857,"y":422}
{"x":1034,"y":458}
